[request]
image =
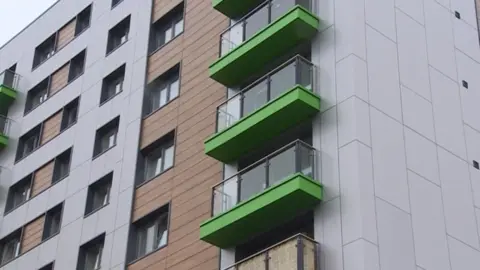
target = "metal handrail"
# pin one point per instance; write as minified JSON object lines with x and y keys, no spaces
{"x":264,"y":78}
{"x":298,"y":236}
{"x":14,"y":79}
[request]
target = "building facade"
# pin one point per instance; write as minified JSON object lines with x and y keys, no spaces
{"x":226,"y":134}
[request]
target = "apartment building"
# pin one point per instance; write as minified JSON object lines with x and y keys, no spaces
{"x":253,"y":134}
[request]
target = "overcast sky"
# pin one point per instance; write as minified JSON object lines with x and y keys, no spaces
{"x":16,"y":14}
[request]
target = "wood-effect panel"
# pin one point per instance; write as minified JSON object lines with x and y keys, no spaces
{"x":32,"y":234}
{"x":42,"y":178}
{"x":187,"y":186}
{"x":59,"y":79}
{"x":66,"y":34}
{"x":162,"y":7}
{"x":51,"y":127}
{"x":165,"y":58}
{"x":159,"y":123}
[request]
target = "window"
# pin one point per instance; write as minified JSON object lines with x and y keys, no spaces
{"x":77,"y":65}
{"x":118,"y":35}
{"x":61,"y":168}
{"x":158,"y":157}
{"x":116,"y":2}
{"x":37,"y":95}
{"x":47,"y":267}
{"x":162,"y":90}
{"x":112,"y":84}
{"x":69,"y":116}
{"x":106,"y":137}
{"x":53,"y":220}
{"x":150,"y":233}
{"x":18,"y":193}
{"x":98,"y":194}
{"x":10,"y":247}
{"x":44,"y":51}
{"x":83,"y":20}
{"x":166,"y":28}
{"x":90,"y":255}
{"x":28,"y":142}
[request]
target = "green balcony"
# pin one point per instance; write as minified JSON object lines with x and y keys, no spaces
{"x":262,"y":196}
{"x":280,"y":100}
{"x":260,"y":38}
{"x":8,"y":85}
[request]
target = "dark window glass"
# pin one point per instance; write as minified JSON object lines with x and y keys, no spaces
{"x":118,"y":35}
{"x":77,"y":65}
{"x":106,"y":137}
{"x":99,"y":194}
{"x":90,"y":254}
{"x":83,"y":20}
{"x":70,"y":113}
{"x":150,"y":233}
{"x":10,"y":247}
{"x":19,"y":193}
{"x":157,"y":157}
{"x":162,"y":90}
{"x":44,"y":51}
{"x":47,"y":267}
{"x":37,"y":95}
{"x":166,"y":28}
{"x":28,"y":142}
{"x":112,"y":84}
{"x":53,"y":220}
{"x":116,"y":2}
{"x":62,"y":166}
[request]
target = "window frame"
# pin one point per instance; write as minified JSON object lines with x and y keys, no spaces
{"x":35,"y":134}
{"x":59,"y":164}
{"x":73,"y":106}
{"x":14,"y":236}
{"x":160,"y":27}
{"x":163,"y":82}
{"x":118,"y":75}
{"x":27,"y":181}
{"x":122,"y":27}
{"x":104,"y":181}
{"x":96,"y":243}
{"x":50,"y":215}
{"x":110,"y":127}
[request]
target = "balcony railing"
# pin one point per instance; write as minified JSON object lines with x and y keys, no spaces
{"x":9,"y":79}
{"x":296,"y":157}
{"x":296,"y":71}
{"x":256,"y":20}
{"x":5,"y":125}
{"x":296,"y":253}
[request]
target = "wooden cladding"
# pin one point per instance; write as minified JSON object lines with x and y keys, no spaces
{"x":42,"y":178}
{"x":66,"y":34}
{"x":164,"y":59}
{"x":51,"y":128}
{"x":59,"y":79}
{"x":186,"y":186}
{"x":161,"y":7}
{"x":32,"y":234}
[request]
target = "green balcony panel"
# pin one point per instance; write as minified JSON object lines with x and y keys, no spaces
{"x":234,"y":8}
{"x":3,"y":140}
{"x":7,"y":96}
{"x":250,"y":132}
{"x":275,"y":205}
{"x":277,"y":38}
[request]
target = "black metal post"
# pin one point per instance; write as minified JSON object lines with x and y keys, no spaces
{"x":297,"y":157}
{"x":212,"y":203}
{"x":316,"y":250}
{"x":267,"y":258}
{"x":267,"y":173}
{"x":300,"y":262}
{"x":239,"y":183}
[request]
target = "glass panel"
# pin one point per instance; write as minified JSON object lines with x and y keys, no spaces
{"x":174,"y":86}
{"x":306,"y":160}
{"x":168,"y":34}
{"x":163,"y":97}
{"x":280,"y":7}
{"x":141,"y":242}
{"x":281,"y":166}
{"x":256,"y":22}
{"x":168,"y":157}
{"x":232,"y":38}
{"x":284,"y":256}
{"x":150,"y":238}
{"x":305,"y":74}
{"x":162,"y":232}
{"x":255,"y":97}
{"x":229,"y":113}
{"x":252,"y":182}
{"x":225,"y":196}
{"x":282,"y":81}
{"x":179,"y":28}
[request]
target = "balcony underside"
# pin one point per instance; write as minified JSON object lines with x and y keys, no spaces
{"x":250,"y":57}
{"x":263,"y":212}
{"x":289,"y":109}
{"x":7,"y":96}
{"x":235,"y":8}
